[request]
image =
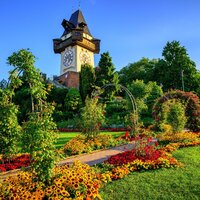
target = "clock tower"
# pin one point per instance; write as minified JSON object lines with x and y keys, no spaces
{"x":77,"y":47}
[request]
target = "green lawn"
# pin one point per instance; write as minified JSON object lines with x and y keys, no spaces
{"x":169,"y":184}
{"x":65,"y":137}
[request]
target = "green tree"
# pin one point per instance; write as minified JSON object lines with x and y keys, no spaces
{"x":57,"y":97}
{"x":9,"y":127}
{"x":196,"y":82}
{"x":105,"y":74}
{"x":141,"y":70}
{"x":174,"y":113}
{"x":87,"y":81}
{"x":38,"y":136}
{"x":145,"y":95}
{"x":92,"y":116}
{"x":73,"y":101}
{"x":22,"y":98}
{"x":176,"y":70}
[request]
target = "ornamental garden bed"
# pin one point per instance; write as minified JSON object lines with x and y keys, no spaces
{"x":75,"y":146}
{"x":15,"y":163}
{"x":80,"y":181}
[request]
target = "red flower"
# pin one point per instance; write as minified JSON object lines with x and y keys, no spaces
{"x":126,"y":134}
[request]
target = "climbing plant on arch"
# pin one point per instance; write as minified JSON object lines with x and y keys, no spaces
{"x":191,"y":102}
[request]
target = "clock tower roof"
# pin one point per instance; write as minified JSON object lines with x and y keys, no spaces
{"x":76,"y":21}
{"x":76,"y":32}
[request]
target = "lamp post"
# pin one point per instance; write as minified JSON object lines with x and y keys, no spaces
{"x":183,"y":88}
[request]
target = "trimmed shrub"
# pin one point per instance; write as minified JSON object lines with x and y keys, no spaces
{"x":192,"y":107}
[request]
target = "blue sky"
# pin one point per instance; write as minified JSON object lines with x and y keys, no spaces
{"x":128,"y":29}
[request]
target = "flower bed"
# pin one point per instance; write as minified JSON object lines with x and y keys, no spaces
{"x":124,"y":163}
{"x":15,"y":163}
{"x":179,"y":137}
{"x":78,"y":181}
{"x":80,"y":144}
{"x":130,"y":156}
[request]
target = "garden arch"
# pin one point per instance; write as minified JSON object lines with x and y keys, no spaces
{"x":191,"y":102}
{"x":131,"y":97}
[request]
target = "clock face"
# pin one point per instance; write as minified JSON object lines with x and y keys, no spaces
{"x":84,"y":57}
{"x":68,"y":58}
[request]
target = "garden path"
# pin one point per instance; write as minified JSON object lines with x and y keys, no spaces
{"x":90,"y":159}
{"x":99,"y":156}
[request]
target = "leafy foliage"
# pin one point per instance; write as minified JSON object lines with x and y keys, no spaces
{"x":192,"y":107}
{"x":144,"y":94}
{"x":81,"y":144}
{"x":182,"y":136}
{"x":141,"y":70}
{"x":73,"y":101}
{"x":174,"y":71}
{"x":116,"y":112}
{"x":105,"y":74}
{"x":38,"y":137}
{"x":57,"y":97}
{"x":175,"y":115}
{"x":132,"y":123}
{"x":87,"y":79}
{"x":22,"y":98}
{"x":175,"y":66}
{"x":9,"y":127}
{"x":92,"y":116}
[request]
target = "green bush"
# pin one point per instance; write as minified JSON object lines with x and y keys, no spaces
{"x":73,"y":101}
{"x":174,"y":114}
{"x":192,"y":107}
{"x":145,"y":95}
{"x":115,"y":113}
{"x":92,"y":116}
{"x":9,"y":127}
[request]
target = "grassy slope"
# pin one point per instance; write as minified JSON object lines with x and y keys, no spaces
{"x":65,"y":137}
{"x":169,"y":184}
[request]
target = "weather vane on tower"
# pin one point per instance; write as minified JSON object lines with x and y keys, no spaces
{"x":79,"y":4}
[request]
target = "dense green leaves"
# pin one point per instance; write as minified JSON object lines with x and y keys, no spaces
{"x":57,"y":97}
{"x":9,"y":127}
{"x":175,"y":115}
{"x":144,"y":94}
{"x":176,"y":70}
{"x":92,"y":117}
{"x":105,"y":74}
{"x":141,"y":70}
{"x":38,"y":136}
{"x":87,"y":80}
{"x":192,"y":107}
{"x":73,"y":101}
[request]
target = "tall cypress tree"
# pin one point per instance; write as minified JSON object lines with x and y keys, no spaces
{"x":105,"y":74}
{"x":87,"y":79}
